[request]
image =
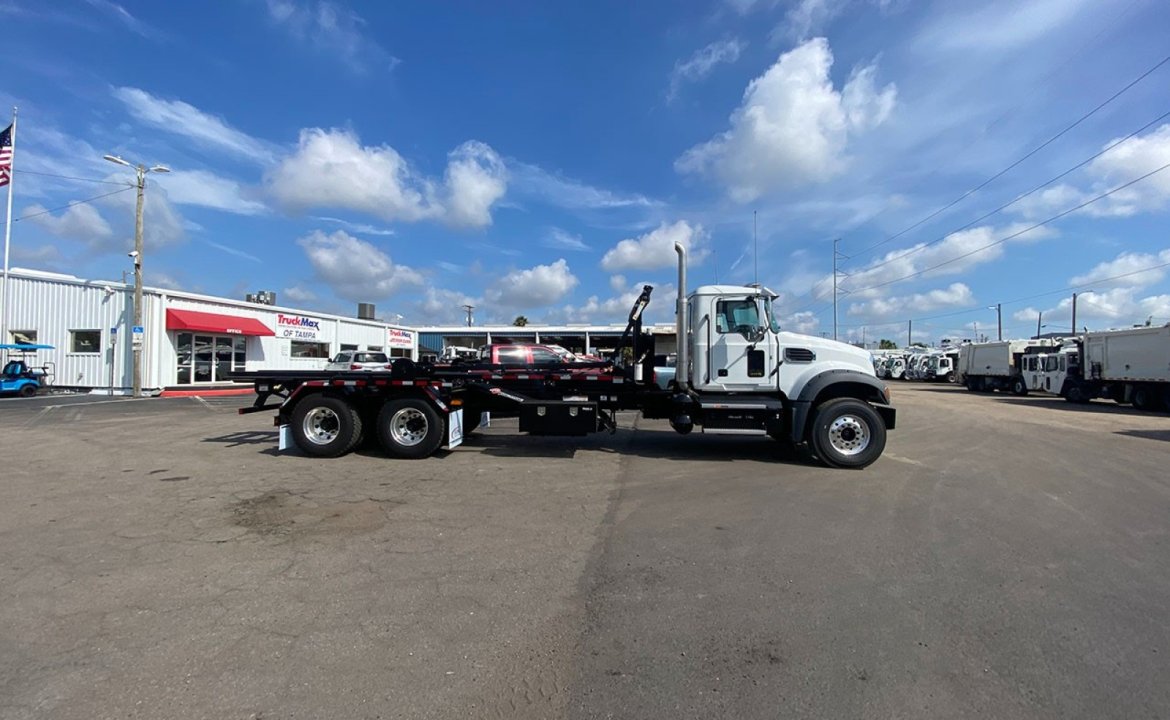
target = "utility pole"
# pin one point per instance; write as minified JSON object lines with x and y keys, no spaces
{"x":909,"y":333}
{"x":976,"y":331}
{"x":999,"y":319}
{"x":468,"y":308}
{"x":836,"y":256}
{"x":1074,"y":317}
{"x":140,"y":171}
{"x":1039,"y":316}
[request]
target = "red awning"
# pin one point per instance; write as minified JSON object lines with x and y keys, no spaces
{"x":214,"y":323}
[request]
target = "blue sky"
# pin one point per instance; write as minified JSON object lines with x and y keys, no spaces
{"x":541,"y":159}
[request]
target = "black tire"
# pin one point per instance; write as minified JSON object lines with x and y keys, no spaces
{"x":1146,"y":398}
{"x":409,"y":428}
{"x":972,"y":384}
{"x":847,"y":433}
{"x":950,"y":378}
{"x":326,"y":426}
{"x":28,"y":390}
{"x":1019,"y":387}
{"x":1076,"y":394}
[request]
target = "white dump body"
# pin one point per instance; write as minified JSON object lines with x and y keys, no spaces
{"x":1135,"y":355}
{"x":994,"y":359}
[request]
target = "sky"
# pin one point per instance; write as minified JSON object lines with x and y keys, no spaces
{"x":541,"y":159}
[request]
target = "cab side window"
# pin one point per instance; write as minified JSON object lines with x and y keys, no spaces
{"x":732,"y":313}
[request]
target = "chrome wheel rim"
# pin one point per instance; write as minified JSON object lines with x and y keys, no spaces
{"x":409,"y":427}
{"x":321,"y":426}
{"x":849,"y":435}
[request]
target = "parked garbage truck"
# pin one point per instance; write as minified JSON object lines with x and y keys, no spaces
{"x":1126,"y":366}
{"x":987,"y":367}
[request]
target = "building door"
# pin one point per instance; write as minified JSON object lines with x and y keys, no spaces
{"x":223,"y":359}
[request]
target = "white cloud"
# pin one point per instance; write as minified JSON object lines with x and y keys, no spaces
{"x":617,"y":283}
{"x":562,"y":240}
{"x":230,"y":250}
{"x":476,"y":179}
{"x":298,"y":294}
{"x":960,"y":251}
{"x":806,"y":17}
{"x":997,"y":26}
{"x":616,"y":309}
{"x":792,"y":127}
{"x":894,"y":308}
{"x":162,"y":225}
{"x":331,"y":168}
{"x":363,"y":228}
{"x":700,"y":64}
{"x":77,"y":222}
{"x":532,"y":288}
{"x":180,"y":118}
{"x":1114,"y":308}
{"x":802,"y":322}
{"x":562,"y":192}
{"x":1132,"y":265}
{"x":655,"y":249}
{"x":332,"y":30}
{"x":206,"y":189}
{"x":355,"y":269}
{"x":1127,"y":161}
{"x":131,"y":23}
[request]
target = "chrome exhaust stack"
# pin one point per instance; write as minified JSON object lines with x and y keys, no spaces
{"x":682,"y":366}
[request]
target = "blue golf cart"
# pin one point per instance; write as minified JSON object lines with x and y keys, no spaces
{"x":18,"y":376}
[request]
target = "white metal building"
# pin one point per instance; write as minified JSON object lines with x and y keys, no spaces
{"x":189,"y":340}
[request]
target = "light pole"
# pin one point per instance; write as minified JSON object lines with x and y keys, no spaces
{"x":998,"y":308}
{"x":141,"y":171}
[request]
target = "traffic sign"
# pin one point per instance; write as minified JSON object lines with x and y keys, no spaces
{"x":137,"y":333}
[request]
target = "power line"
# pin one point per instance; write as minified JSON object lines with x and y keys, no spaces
{"x":983,"y":306}
{"x":69,"y":205}
{"x":1028,"y":229}
{"x":1035,"y":150}
{"x":70,"y":177}
{"x":917,"y":249}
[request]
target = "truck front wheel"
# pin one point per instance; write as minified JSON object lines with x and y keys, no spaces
{"x":847,"y":433}
{"x":409,"y":428}
{"x":325,"y":426}
{"x":1018,"y":387}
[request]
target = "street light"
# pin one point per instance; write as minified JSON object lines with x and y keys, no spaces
{"x":998,"y":308}
{"x":140,"y":171}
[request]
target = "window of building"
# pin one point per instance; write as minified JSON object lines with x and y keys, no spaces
{"x":374,"y":348}
{"x":399,"y":352}
{"x":208,"y":358}
{"x":23,"y":337}
{"x":730,"y":314}
{"x":346,"y":346}
{"x":85,"y":341}
{"x":301,"y":349}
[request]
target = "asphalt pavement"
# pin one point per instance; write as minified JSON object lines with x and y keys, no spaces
{"x":1006,"y":558}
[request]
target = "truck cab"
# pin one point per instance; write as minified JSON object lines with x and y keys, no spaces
{"x":1047,"y":371}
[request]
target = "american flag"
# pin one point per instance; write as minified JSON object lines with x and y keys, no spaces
{"x":6,"y":156}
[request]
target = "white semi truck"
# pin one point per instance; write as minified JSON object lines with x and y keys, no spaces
{"x":1127,"y":366}
{"x":738,"y":374}
{"x":986,"y":367}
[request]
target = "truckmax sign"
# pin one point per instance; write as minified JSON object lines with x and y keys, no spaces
{"x":297,"y":327}
{"x":398,"y":338}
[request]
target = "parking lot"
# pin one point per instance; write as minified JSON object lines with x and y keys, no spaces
{"x":1007,"y":557}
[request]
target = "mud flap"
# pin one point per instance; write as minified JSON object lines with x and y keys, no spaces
{"x":454,"y":429}
{"x":285,"y":441}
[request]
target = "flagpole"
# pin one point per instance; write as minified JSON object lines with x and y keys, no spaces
{"x":8,"y":237}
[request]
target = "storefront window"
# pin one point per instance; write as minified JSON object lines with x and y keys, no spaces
{"x":208,"y":358}
{"x":347,"y":346}
{"x":399,"y":352}
{"x":300,"y":349}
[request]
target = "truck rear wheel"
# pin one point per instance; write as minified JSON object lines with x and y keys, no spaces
{"x":1018,"y":387}
{"x":1146,"y":398}
{"x":409,"y":428}
{"x":325,"y":426}
{"x":847,"y":433}
{"x":1077,"y":394}
{"x":28,"y":390}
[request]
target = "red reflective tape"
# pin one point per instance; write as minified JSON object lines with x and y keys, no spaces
{"x":422,"y":383}
{"x":338,"y":382}
{"x":379,"y":382}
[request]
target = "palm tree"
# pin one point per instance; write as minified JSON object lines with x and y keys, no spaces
{"x":520,"y":321}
